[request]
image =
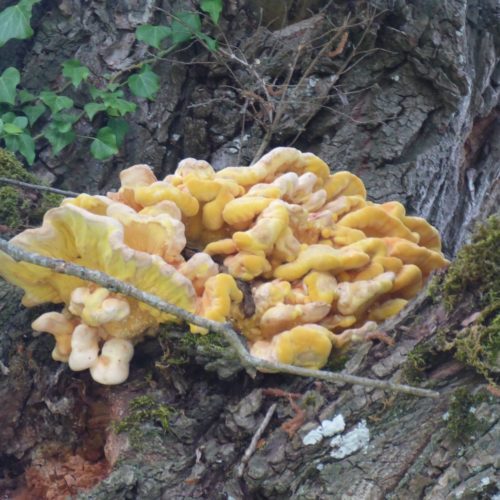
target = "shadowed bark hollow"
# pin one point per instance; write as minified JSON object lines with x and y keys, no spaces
{"x":410,"y":103}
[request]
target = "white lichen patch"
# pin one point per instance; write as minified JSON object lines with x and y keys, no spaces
{"x":327,"y":428}
{"x":332,"y":427}
{"x":352,"y":442}
{"x":312,"y":437}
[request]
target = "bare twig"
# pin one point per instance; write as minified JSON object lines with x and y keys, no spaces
{"x":326,"y":47}
{"x":280,"y":110}
{"x":255,"y":439}
{"x":274,"y":392}
{"x":36,"y":187}
{"x":249,"y":362}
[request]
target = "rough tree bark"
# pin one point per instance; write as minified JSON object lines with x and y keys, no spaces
{"x":415,"y":113}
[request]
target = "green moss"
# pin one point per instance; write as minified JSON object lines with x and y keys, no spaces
{"x":337,"y":361}
{"x":473,"y":276}
{"x":12,"y":168}
{"x":211,"y":344}
{"x":479,"y":345}
{"x":417,"y":362}
{"x":426,"y":355}
{"x":12,"y":207}
{"x":16,"y":209}
{"x":146,"y":415}
{"x":476,"y":268}
{"x":462,"y":421}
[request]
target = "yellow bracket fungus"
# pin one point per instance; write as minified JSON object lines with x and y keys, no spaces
{"x":322,"y":263}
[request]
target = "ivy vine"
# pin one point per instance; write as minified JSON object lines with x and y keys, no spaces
{"x":51,"y":116}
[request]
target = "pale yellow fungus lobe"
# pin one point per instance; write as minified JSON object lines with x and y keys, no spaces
{"x":221,"y":291}
{"x":308,"y":346}
{"x":61,"y":327}
{"x":356,"y":297}
{"x":318,"y":258}
{"x":321,"y":258}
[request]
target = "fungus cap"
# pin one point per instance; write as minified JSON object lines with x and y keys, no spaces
{"x":112,"y":366}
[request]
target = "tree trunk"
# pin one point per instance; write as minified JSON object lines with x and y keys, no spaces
{"x":410,"y":103}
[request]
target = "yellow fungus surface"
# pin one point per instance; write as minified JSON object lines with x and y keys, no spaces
{"x":322,"y":263}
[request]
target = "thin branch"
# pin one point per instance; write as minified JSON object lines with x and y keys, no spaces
{"x":280,"y":110}
{"x":255,"y":439}
{"x":322,"y":52}
{"x":249,"y":362}
{"x":36,"y":187}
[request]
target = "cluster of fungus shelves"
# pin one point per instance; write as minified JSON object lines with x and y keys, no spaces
{"x":323,"y":264}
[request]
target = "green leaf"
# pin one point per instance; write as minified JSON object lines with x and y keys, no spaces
{"x":120,"y":107}
{"x":57,"y":139}
{"x":104,"y":145}
{"x":144,"y":84}
{"x":26,"y":146}
{"x":11,"y":143}
{"x":152,"y":35}
{"x":55,"y":102}
{"x":95,"y":92}
{"x":92,"y":108}
{"x":75,"y":71}
{"x":115,"y":106}
{"x":15,"y":21}
{"x":213,"y":8}
{"x":20,"y":121}
{"x":210,"y":42}
{"x":8,"y":117}
{"x":12,"y":129}
{"x":120,"y":128}
{"x":8,"y":82}
{"x":24,"y":96}
{"x":33,"y":112}
{"x":113,"y":86}
{"x":1,"y":125}
{"x":185,"y":26}
{"x":63,"y":122}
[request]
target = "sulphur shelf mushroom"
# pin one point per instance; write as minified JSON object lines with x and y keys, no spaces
{"x":321,"y":262}
{"x":112,"y":366}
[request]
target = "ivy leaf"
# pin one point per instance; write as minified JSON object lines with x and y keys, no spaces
{"x":145,"y":84}
{"x":120,"y":128}
{"x":63,"y":122}
{"x":213,"y":8}
{"x":33,"y":112}
{"x":15,"y":21}
{"x":95,"y":92}
{"x":58,"y":140}
{"x":92,"y":108}
{"x":113,"y":86}
{"x":104,"y":145}
{"x":75,"y":72}
{"x":12,"y":129}
{"x":24,"y":96}
{"x":210,"y":42}
{"x":115,"y":106}
{"x":21,"y":122}
{"x":11,"y":143}
{"x":26,"y":146}
{"x":8,"y":117}
{"x":23,"y":143}
{"x":8,"y":82}
{"x":152,"y":35}
{"x":55,"y":102}
{"x":185,"y":26}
